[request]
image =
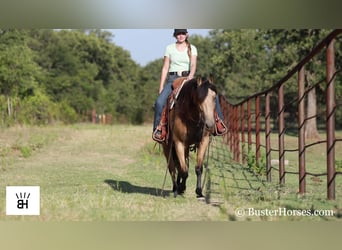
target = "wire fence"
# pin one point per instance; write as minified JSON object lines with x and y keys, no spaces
{"x":253,"y":123}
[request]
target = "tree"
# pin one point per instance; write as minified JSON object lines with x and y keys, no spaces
{"x":18,"y":70}
{"x":239,"y":61}
{"x":288,"y":47}
{"x":249,"y":61}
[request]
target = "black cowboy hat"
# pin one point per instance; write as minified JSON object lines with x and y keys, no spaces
{"x":177,"y":31}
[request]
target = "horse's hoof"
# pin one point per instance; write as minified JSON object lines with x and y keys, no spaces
{"x":199,"y":192}
{"x":200,"y":195}
{"x":180,"y":191}
{"x":175,"y":194}
{"x":200,"y":198}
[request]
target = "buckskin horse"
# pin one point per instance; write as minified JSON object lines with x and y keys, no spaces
{"x":191,"y":121}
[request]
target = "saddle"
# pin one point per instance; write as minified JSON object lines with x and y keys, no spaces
{"x":177,"y":85}
{"x":176,"y":88}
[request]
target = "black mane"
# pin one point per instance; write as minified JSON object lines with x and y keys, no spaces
{"x":191,"y":96}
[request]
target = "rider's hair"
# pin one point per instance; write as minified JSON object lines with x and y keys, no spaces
{"x":189,"y":48}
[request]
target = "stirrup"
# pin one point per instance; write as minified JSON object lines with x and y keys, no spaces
{"x":220,"y":127}
{"x":157,"y":135}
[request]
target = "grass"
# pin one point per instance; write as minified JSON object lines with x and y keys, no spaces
{"x":96,"y":173}
{"x":245,"y":188}
{"x":115,"y":173}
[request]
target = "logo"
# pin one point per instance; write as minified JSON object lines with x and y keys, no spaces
{"x":22,"y":200}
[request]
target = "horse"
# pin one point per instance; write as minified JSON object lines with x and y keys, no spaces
{"x":191,"y":122}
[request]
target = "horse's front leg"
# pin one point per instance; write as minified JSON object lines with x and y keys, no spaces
{"x":199,"y":170}
{"x":199,"y":167}
{"x":183,"y":169}
{"x":171,"y":166}
{"x":172,"y":170}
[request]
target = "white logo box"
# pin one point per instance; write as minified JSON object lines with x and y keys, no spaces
{"x":22,"y":200}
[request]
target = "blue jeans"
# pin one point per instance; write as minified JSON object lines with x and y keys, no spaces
{"x":218,"y":108}
{"x":162,"y":99}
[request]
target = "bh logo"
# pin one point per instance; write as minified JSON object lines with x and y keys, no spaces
{"x":22,"y":200}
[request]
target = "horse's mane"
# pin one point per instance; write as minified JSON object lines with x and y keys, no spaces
{"x":191,"y":96}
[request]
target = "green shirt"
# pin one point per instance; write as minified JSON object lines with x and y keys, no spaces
{"x":179,"y":61}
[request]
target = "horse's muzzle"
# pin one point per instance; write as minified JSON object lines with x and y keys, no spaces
{"x":210,"y":126}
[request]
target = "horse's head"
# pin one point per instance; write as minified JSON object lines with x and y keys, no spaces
{"x":207,"y":100}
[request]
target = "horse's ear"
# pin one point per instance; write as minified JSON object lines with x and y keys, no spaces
{"x":211,"y":79}
{"x":199,"y":81}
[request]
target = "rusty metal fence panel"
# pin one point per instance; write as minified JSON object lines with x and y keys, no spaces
{"x":246,"y":117}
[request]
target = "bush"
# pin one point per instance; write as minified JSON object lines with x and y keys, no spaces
{"x":35,"y":110}
{"x":66,"y":113}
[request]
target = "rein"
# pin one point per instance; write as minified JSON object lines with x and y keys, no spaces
{"x":170,"y":152}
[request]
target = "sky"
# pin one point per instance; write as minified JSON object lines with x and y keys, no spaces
{"x":147,"y":45}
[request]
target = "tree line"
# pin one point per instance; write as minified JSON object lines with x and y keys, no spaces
{"x":49,"y":76}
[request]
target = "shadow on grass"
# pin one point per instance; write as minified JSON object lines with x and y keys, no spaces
{"x":126,"y":187}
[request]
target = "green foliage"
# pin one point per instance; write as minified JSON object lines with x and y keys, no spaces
{"x":18,"y":70}
{"x":71,"y":69}
{"x":35,"y":110}
{"x":66,"y":113}
{"x":71,"y":72}
{"x":338,"y":164}
{"x":26,"y":151}
{"x":257,"y":167}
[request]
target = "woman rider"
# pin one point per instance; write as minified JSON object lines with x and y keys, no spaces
{"x":180,"y":60}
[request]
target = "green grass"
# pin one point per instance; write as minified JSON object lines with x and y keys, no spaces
{"x":243,"y":187}
{"x":115,"y":173}
{"x":97,"y":173}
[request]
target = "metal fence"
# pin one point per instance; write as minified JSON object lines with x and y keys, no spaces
{"x":247,"y":120}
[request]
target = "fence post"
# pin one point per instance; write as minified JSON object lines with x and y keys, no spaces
{"x":249,"y":124}
{"x":236,"y":133}
{"x":281,"y":125}
{"x":257,"y":129}
{"x":243,"y":140}
{"x":231,"y":127}
{"x":330,"y":120}
{"x":268,"y":136}
{"x":93,"y":116}
{"x":301,"y":132}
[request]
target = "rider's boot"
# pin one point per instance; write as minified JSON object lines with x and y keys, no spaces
{"x":220,"y":127}
{"x":159,"y":134}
